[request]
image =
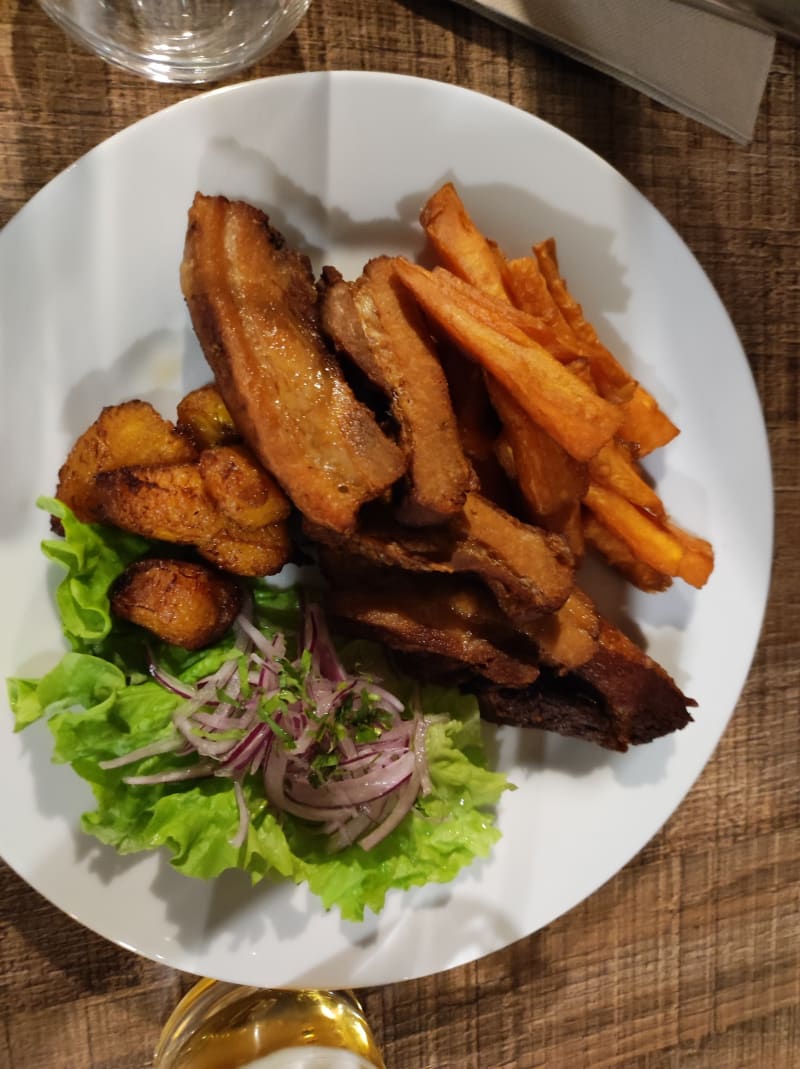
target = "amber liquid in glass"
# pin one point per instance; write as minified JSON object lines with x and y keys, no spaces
{"x":222,"y":1026}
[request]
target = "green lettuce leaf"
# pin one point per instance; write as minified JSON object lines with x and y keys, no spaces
{"x":100,"y":704}
{"x":93,"y":557}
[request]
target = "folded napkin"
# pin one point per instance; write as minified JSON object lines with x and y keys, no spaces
{"x":780,"y":16}
{"x":696,"y":62}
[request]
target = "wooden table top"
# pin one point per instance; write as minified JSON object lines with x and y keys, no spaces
{"x":690,"y":956}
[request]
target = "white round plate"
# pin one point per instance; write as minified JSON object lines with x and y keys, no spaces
{"x":91,"y":313}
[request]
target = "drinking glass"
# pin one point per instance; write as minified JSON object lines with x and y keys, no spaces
{"x":227,"y":1026}
{"x":188,"y":41}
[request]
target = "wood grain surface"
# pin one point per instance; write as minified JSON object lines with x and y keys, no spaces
{"x":690,"y":957}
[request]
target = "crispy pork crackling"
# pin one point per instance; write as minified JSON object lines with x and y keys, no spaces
{"x":618,"y":698}
{"x":376,"y":322}
{"x":253,"y":304}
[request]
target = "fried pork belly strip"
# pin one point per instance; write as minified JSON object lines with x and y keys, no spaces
{"x":566,"y":638}
{"x":571,"y":672}
{"x":253,"y":305}
{"x":451,"y":630}
{"x":618,"y":698}
{"x":450,"y":617}
{"x":528,"y":570}
{"x":456,"y":618}
{"x":377,"y":324}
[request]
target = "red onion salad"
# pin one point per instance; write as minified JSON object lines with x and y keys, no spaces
{"x":333,"y":747}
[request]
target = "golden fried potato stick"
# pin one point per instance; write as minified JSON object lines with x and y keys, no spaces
{"x":530,"y":295}
{"x":547,"y":259}
{"x":549,"y":479}
{"x":475,"y":263}
{"x":534,"y":285}
{"x":697,"y":562}
{"x":613,"y":380}
{"x":514,"y":322}
{"x":552,"y":482}
{"x":479,"y":277}
{"x":460,"y":245}
{"x":646,"y":538}
{"x":469,"y":254}
{"x":660,"y":544}
{"x":620,"y":556}
{"x":578,"y":419}
{"x":644,"y":425}
{"x":566,"y":521}
{"x":615,"y":468}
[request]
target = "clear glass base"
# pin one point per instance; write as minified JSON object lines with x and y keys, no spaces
{"x":180,"y":41}
{"x":225,"y":1026}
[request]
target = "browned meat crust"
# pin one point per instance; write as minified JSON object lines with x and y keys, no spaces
{"x":377,"y":324}
{"x":451,"y":617}
{"x":528,"y":570}
{"x":620,"y":697}
{"x":449,"y":629}
{"x":253,"y":303}
{"x":568,"y":637}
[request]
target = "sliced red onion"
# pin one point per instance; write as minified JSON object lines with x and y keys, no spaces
{"x":170,"y":682}
{"x":198,"y":771}
{"x":223,"y":721}
{"x":356,"y":789}
{"x":170,"y":745}
{"x":370,"y":787}
{"x":403,"y":802}
{"x":244,"y":816}
{"x":272,"y":648}
{"x":240,"y":755}
{"x":347,"y":833}
{"x":317,"y":639}
{"x":419,"y":744}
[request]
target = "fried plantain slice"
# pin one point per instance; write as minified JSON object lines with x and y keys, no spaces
{"x":249,"y":552}
{"x":241,"y":488}
{"x":204,"y":418}
{"x":170,"y":503}
{"x":182,"y":602}
{"x":129,"y":433}
{"x":167,"y":502}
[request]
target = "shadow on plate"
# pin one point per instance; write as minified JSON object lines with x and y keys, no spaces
{"x":325,"y":227}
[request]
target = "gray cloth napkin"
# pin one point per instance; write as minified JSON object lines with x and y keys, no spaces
{"x":699,"y":63}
